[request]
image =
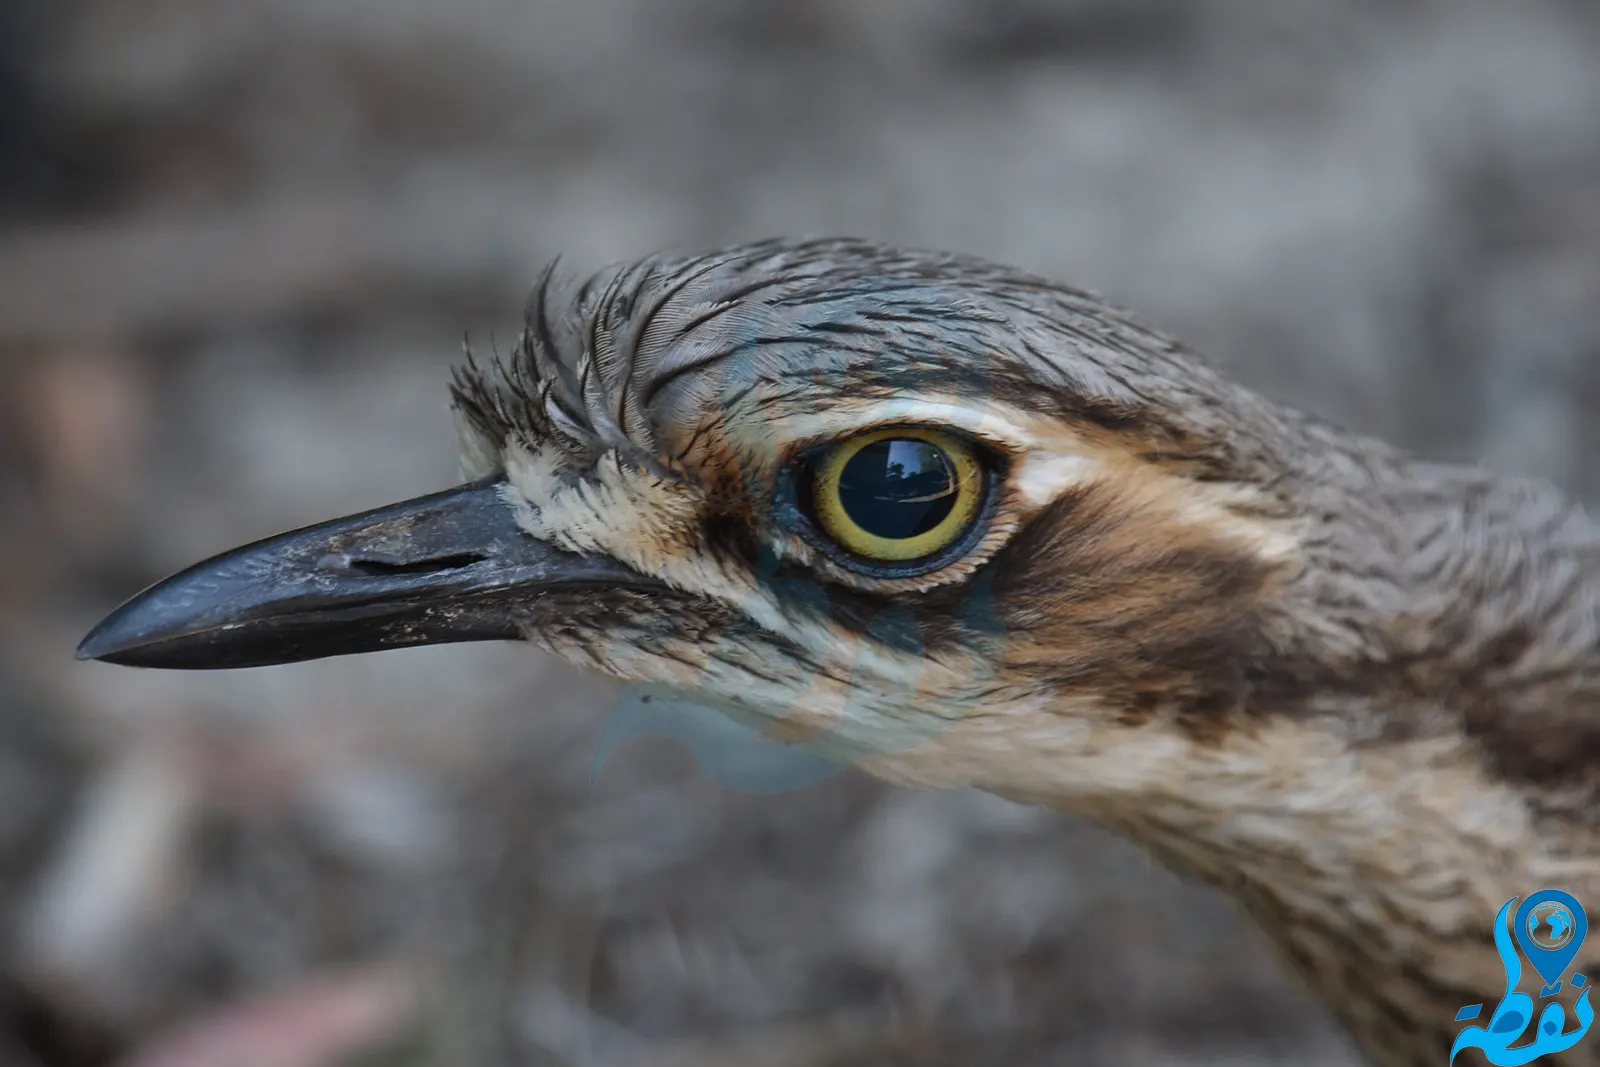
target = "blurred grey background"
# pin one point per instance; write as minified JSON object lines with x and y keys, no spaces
{"x":239,"y":246}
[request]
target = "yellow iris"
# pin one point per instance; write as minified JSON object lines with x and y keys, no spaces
{"x":897,"y":495}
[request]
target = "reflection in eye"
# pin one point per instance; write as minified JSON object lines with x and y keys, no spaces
{"x":898,"y":488}
{"x":899,"y":496}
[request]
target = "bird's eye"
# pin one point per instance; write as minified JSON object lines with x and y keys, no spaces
{"x":897,"y":496}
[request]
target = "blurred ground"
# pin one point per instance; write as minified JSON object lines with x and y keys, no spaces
{"x":239,"y":244}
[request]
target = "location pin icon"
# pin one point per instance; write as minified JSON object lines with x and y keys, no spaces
{"x":1550,"y":926}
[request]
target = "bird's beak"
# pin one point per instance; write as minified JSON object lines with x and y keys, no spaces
{"x":442,"y":568}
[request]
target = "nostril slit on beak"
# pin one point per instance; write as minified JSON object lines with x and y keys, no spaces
{"x":438,"y":565}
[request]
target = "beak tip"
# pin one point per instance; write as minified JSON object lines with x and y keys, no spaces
{"x":104,"y":644}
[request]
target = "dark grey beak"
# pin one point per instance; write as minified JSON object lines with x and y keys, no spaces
{"x":443,"y":568}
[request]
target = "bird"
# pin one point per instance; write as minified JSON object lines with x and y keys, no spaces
{"x":965,"y":526}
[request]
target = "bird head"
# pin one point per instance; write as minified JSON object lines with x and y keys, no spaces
{"x":906,"y":503}
{"x":965,"y":526}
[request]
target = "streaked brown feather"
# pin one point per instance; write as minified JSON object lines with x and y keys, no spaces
{"x":1371,"y":740}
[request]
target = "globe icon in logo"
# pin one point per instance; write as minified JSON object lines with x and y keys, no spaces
{"x":1550,"y":925}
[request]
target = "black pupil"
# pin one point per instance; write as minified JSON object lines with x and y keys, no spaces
{"x":898,"y":488}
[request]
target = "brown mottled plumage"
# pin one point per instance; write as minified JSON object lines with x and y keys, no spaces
{"x":1359,"y":692}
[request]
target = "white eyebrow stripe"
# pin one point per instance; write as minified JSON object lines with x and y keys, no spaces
{"x":847,"y":418}
{"x":1041,"y":478}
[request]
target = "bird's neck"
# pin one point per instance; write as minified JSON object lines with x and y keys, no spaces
{"x":1444,"y":607}
{"x":1428,"y":745}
